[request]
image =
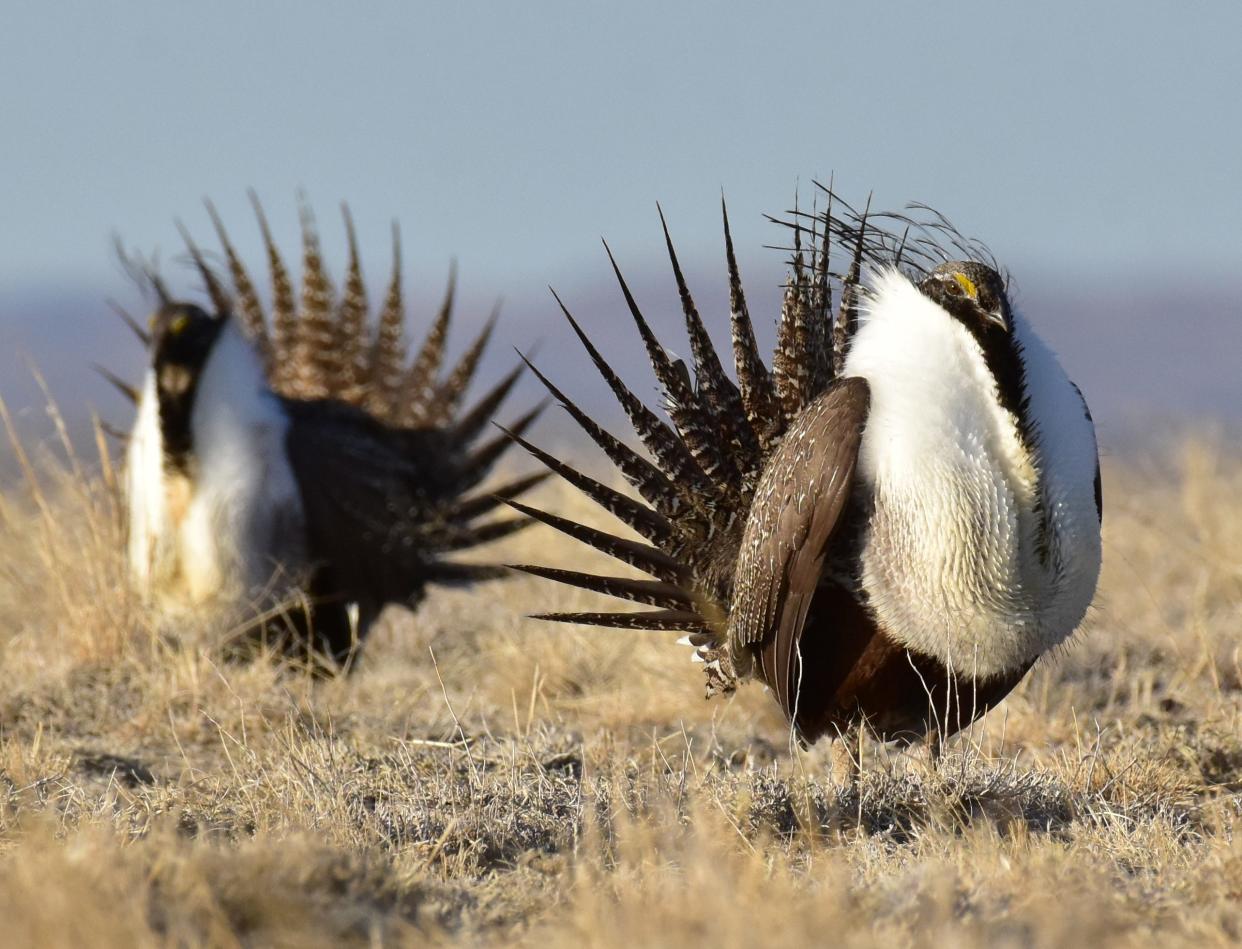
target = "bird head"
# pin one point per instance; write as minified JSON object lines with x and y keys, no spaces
{"x":973,"y":293}
{"x":182,"y":335}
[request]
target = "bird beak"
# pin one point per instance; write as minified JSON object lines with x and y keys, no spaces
{"x":997,"y":318}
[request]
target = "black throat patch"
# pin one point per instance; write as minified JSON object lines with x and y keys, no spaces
{"x":182,"y":337}
{"x":988,"y":317}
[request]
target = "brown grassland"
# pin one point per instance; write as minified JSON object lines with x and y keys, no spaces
{"x":484,"y":779}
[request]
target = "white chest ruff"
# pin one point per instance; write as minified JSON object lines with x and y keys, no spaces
{"x":146,"y":500}
{"x":223,"y":531}
{"x":971,"y":555}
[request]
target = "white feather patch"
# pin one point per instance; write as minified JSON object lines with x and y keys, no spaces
{"x":227,"y":528}
{"x":144,"y":491}
{"x":950,"y":561}
{"x":244,"y":490}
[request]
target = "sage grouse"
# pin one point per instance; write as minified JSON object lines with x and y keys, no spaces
{"x":305,"y":455}
{"x":889,"y":526}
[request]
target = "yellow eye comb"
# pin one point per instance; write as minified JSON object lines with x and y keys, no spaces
{"x":967,"y":285}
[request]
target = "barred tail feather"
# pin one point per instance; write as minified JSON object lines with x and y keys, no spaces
{"x":351,"y":324}
{"x":215,"y":291}
{"x":650,"y":482}
{"x":648,"y":523}
{"x":476,"y":417}
{"x":651,"y":592}
{"x":718,"y":394}
{"x":387,"y":362}
{"x":847,"y":318}
{"x":658,"y":620}
{"x":754,"y":379}
{"x":669,"y":451}
{"x":649,"y":559}
{"x":448,"y":394}
{"x":697,"y":432}
{"x":315,"y":356}
{"x":802,"y":363}
{"x":249,"y":308}
{"x":417,"y":386}
{"x":284,"y":309}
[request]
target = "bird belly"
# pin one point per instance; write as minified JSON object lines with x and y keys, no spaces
{"x":850,"y":672}
{"x":955,"y":560}
{"x":942,"y":568}
{"x":243,"y":526}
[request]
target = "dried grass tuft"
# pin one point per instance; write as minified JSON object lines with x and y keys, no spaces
{"x":489,"y":780}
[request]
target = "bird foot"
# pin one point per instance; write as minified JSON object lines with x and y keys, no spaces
{"x":718,"y":669}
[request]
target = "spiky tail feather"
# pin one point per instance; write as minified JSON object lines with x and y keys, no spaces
{"x":698,"y":479}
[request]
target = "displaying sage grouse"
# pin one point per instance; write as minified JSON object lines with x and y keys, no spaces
{"x":305,"y":455}
{"x":889,"y":526}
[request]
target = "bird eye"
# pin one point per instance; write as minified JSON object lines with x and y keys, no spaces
{"x":178,"y":325}
{"x":967,"y":286}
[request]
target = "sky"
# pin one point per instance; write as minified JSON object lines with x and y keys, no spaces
{"x":1075,"y":135}
{"x":1094,"y":146}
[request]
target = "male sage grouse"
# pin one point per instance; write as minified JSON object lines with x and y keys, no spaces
{"x":890,"y":525}
{"x":306,"y":454}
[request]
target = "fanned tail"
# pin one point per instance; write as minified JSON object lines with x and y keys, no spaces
{"x":698,"y":477}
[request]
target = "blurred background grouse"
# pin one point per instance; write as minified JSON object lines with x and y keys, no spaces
{"x":301,"y":467}
{"x":887,"y":527}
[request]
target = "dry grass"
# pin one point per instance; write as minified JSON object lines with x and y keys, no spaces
{"x":484,"y":779}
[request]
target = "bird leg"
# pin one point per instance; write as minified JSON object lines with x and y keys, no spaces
{"x":722,"y":678}
{"x":846,"y":754}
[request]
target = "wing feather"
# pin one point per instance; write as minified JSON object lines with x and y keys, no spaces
{"x":798,"y":504}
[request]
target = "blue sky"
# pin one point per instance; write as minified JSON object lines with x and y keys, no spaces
{"x":1096,"y":147}
{"x":1077,"y":137}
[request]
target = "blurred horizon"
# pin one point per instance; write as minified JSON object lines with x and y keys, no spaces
{"x":1094,"y":148}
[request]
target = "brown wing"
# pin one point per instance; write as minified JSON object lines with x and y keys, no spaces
{"x":798,"y":503}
